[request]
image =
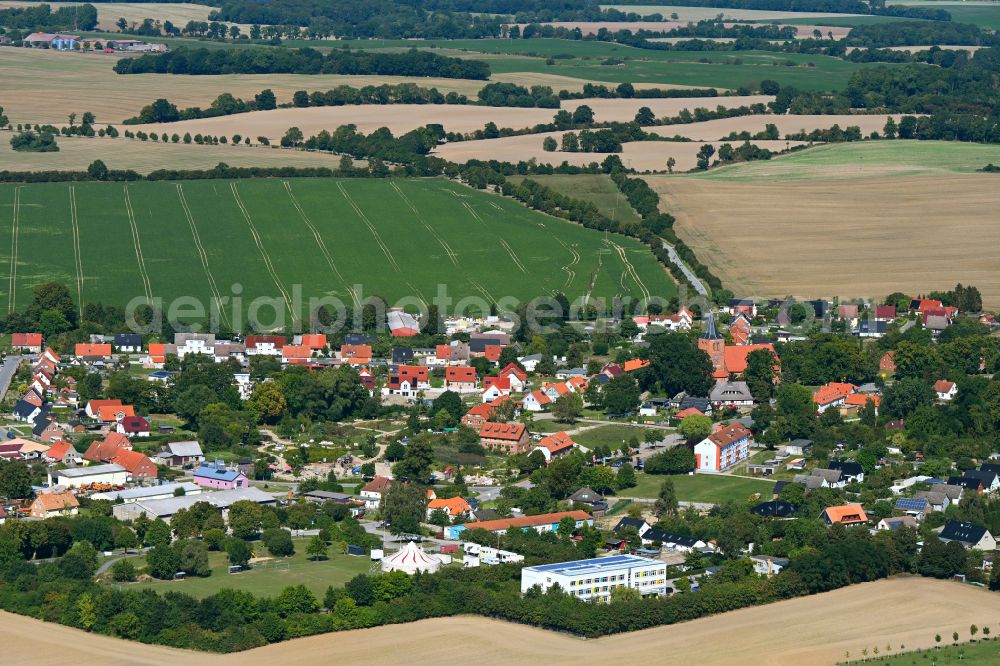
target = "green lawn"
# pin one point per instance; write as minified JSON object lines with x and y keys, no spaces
{"x":258,"y":238}
{"x":709,"y":488}
{"x":609,"y":435}
{"x":268,"y":579}
{"x":598,"y":189}
{"x":900,"y":157}
{"x":982,"y":653}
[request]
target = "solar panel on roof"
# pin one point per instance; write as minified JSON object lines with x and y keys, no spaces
{"x":909,"y":503}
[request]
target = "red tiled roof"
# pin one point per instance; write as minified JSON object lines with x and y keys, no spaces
{"x":736,"y":356}
{"x":460,"y":374}
{"x":513,"y":369}
{"x":314,"y":340}
{"x":847,"y":514}
{"x":833,"y":392}
{"x":684,"y":413}
{"x":453,"y":505}
{"x":729,"y":434}
{"x":557,"y":442}
{"x":442,"y":352}
{"x":377,"y":485}
{"x":298,"y":352}
{"x":492,"y":352}
{"x":484,"y":409}
{"x":26,"y":340}
{"x":136,"y":463}
{"x":102,"y":350}
{"x":253,"y":340}
{"x":502,"y":383}
{"x":635,"y":364}
{"x":528,"y":521}
{"x":943,"y":386}
{"x":512,"y":431}
{"x":55,"y":501}
{"x":862,"y":399}
{"x":110,"y":413}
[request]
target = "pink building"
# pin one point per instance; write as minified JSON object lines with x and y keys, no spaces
{"x":220,"y":477}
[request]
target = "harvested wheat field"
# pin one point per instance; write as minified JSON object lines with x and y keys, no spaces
{"x":108,"y":13}
{"x":705,"y":13}
{"x":712,"y":130}
{"x":401,"y":118}
{"x":60,"y":82}
{"x":899,"y":612}
{"x":639,"y":155}
{"x":861,"y":226}
{"x":145,"y":156}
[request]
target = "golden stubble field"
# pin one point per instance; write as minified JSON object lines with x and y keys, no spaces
{"x":800,"y":632}
{"x":401,"y":118}
{"x":856,"y":232}
{"x":108,"y":13}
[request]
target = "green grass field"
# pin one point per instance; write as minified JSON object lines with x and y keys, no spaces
{"x":981,"y":653}
{"x":610,"y":435}
{"x":268,"y":579}
{"x":869,"y":157}
{"x":598,"y":189}
{"x":584,"y":60}
{"x":303,"y":238}
{"x":707,"y":488}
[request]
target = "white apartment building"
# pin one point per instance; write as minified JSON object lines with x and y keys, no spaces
{"x":596,"y":578}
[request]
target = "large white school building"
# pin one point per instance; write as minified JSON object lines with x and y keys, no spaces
{"x":596,"y":578}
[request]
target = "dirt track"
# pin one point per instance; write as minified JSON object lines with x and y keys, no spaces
{"x":808,"y":630}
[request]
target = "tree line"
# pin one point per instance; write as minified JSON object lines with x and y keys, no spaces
{"x":41,"y":17}
{"x":303,"y":61}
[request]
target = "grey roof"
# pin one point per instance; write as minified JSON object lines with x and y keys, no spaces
{"x":586,"y":495}
{"x":90,"y":470}
{"x":128,"y":340}
{"x":152,"y":491}
{"x":710,"y":332}
{"x":847,"y":467}
{"x":627,"y":521}
{"x":730,"y":391}
{"x":327,"y":495}
{"x":181,"y":338}
{"x":184,"y":449}
{"x":951,"y":491}
{"x":221,"y":499}
{"x":964,"y":532}
{"x":830,"y":475}
{"x":809,"y":481}
{"x":900,"y":521}
{"x":933,"y":497}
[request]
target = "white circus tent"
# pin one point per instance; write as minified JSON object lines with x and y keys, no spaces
{"x":411,"y":559}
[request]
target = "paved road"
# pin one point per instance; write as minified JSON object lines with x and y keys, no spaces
{"x":7,"y":370}
{"x":109,"y":563}
{"x":688,"y":273}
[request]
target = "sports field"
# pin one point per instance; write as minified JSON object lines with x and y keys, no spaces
{"x":903,"y":215}
{"x":819,"y":629}
{"x":702,"y":488}
{"x":318,"y":237}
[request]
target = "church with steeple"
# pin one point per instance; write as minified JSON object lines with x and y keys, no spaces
{"x":728,"y":361}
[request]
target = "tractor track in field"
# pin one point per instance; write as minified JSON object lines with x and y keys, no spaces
{"x":138,"y":246}
{"x":202,"y":255}
{"x":77,"y":255}
{"x":263,"y":251}
{"x":447,"y":248}
{"x":482,"y":290}
{"x":320,"y":243}
{"x":371,"y":227}
{"x":593,"y":280}
{"x":510,"y":250}
{"x":570,"y":273}
{"x":630,"y":270}
{"x":13,"y":249}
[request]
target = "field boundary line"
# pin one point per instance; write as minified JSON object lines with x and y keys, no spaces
{"x":13,"y":249}
{"x":202,"y":255}
{"x":447,"y":248}
{"x":263,"y":251}
{"x":75,"y":223}
{"x":144,"y":276}
{"x":510,"y":250}
{"x":371,"y":227}
{"x":320,"y":242}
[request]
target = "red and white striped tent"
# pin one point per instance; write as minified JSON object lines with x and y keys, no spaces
{"x":411,"y":559}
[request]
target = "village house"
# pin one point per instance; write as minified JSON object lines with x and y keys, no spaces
{"x":894,"y":523}
{"x":62,"y":452}
{"x":516,"y":377}
{"x":453,"y":506}
{"x":887,"y":364}
{"x":264,"y":345}
{"x":402,"y":324}
{"x":181,"y":454}
{"x":133,"y":426}
{"x":945,"y":390}
{"x":833,"y":394}
{"x":848,"y":514}
{"x":546,"y":522}
{"x":408,"y":380}
{"x":555,"y":445}
{"x":26,"y":342}
{"x":768,"y":565}
{"x":54,"y":41}
{"x":511,"y":438}
{"x":537,"y":401}
{"x":974,"y":537}
{"x":138,"y":465}
{"x":91,"y":353}
{"x":731,"y":394}
{"x":220,"y":477}
{"x":495,"y":388}
{"x":194,"y":343}
{"x":128,"y":343}
{"x":461,"y":379}
{"x":314,"y":341}
{"x":723,"y":448}
{"x":372,"y":492}
{"x":104,"y":450}
{"x":478,"y":415}
{"x":50,"y":505}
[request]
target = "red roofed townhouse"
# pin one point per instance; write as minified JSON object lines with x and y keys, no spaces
{"x":296,"y":354}
{"x":848,"y":514}
{"x":93,"y":409}
{"x":723,"y":448}
{"x":63,"y":452}
{"x":460,"y":379}
{"x":634,"y":364}
{"x":114,"y":413}
{"x":373,"y":491}
{"x":885,"y":312}
{"x":945,"y":390}
{"x":859,"y":400}
{"x":133,"y":426}
{"x":104,"y":450}
{"x":356,"y":354}
{"x":555,"y":445}
{"x":367,"y":379}
{"x":264,"y":345}
{"x":50,"y":505}
{"x":27,"y":342}
{"x":537,"y":401}
{"x":312,"y":340}
{"x":492,"y":352}
{"x":408,"y":380}
{"x":833,"y":394}
{"x":157,"y":354}
{"x":453,"y":506}
{"x":495,"y":387}
{"x":887,"y":364}
{"x":684,"y":413}
{"x":516,"y":375}
{"x":477,"y":417}
{"x":93,"y":352}
{"x":739,"y":329}
{"x":456,"y":352}
{"x":510,"y":438}
{"x":139,"y":466}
